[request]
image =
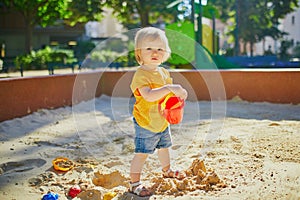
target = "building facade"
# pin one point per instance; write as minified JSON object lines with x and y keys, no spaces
{"x":12,"y":35}
{"x":291,"y":25}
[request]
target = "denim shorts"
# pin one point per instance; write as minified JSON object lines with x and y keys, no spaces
{"x":146,"y":141}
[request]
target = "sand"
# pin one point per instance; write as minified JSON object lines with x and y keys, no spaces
{"x":230,"y":150}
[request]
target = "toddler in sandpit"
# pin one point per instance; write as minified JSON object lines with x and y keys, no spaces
{"x":150,"y":84}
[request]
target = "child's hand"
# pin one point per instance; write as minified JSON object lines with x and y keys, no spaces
{"x":178,"y":90}
{"x":184,"y":95}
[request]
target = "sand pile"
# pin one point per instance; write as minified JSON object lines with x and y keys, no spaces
{"x":111,"y":180}
{"x":60,"y":181}
{"x":91,"y":194}
{"x":198,"y":178}
{"x":87,"y":174}
{"x":96,"y":181}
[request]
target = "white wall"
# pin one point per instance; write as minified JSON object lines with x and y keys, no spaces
{"x":293,"y":30}
{"x":291,"y":24}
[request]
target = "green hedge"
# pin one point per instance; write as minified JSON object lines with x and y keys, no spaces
{"x":38,"y":60}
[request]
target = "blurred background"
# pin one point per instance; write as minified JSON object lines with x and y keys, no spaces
{"x":66,"y":34}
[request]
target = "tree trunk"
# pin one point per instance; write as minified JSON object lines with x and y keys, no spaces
{"x":143,"y":10}
{"x":28,"y":37}
{"x":251,"y":49}
{"x":263,"y":45}
{"x":144,"y":18}
{"x":244,"y":48}
{"x":236,"y":31}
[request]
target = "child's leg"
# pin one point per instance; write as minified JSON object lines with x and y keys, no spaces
{"x":164,"y":158}
{"x":135,"y":175}
{"x":137,"y":166}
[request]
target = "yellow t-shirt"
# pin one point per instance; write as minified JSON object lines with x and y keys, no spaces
{"x":146,"y":113}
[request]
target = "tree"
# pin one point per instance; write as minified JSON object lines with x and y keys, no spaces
{"x":255,"y":19}
{"x":45,"y":13}
{"x":296,"y":51}
{"x":142,"y":13}
{"x":285,"y":45}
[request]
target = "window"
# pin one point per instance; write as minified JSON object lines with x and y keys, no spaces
{"x":293,"y":20}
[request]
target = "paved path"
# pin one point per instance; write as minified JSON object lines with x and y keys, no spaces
{"x":35,"y":73}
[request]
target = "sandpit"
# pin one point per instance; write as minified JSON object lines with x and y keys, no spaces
{"x":254,"y":155}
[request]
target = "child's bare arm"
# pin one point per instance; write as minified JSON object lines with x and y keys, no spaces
{"x":178,"y":90}
{"x":154,"y":94}
{"x":157,"y":93}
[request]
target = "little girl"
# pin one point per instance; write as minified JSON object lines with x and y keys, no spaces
{"x":150,"y":84}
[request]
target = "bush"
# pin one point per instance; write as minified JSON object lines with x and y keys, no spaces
{"x":116,"y":45}
{"x":24,"y":61}
{"x":296,"y":51}
{"x":104,"y":56}
{"x":112,"y":58}
{"x":39,"y":59}
{"x":285,"y":45}
{"x":116,"y":53}
{"x":83,"y":48}
{"x":131,"y":56}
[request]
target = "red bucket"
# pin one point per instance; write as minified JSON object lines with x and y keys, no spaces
{"x":172,"y":109}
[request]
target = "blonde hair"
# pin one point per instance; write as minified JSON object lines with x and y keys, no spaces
{"x":150,"y":33}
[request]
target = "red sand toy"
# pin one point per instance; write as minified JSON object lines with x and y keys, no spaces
{"x":172,"y":109}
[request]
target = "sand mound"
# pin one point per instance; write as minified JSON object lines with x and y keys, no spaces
{"x":91,"y":194}
{"x":198,"y":178}
{"x":110,"y":180}
{"x":94,"y":183}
